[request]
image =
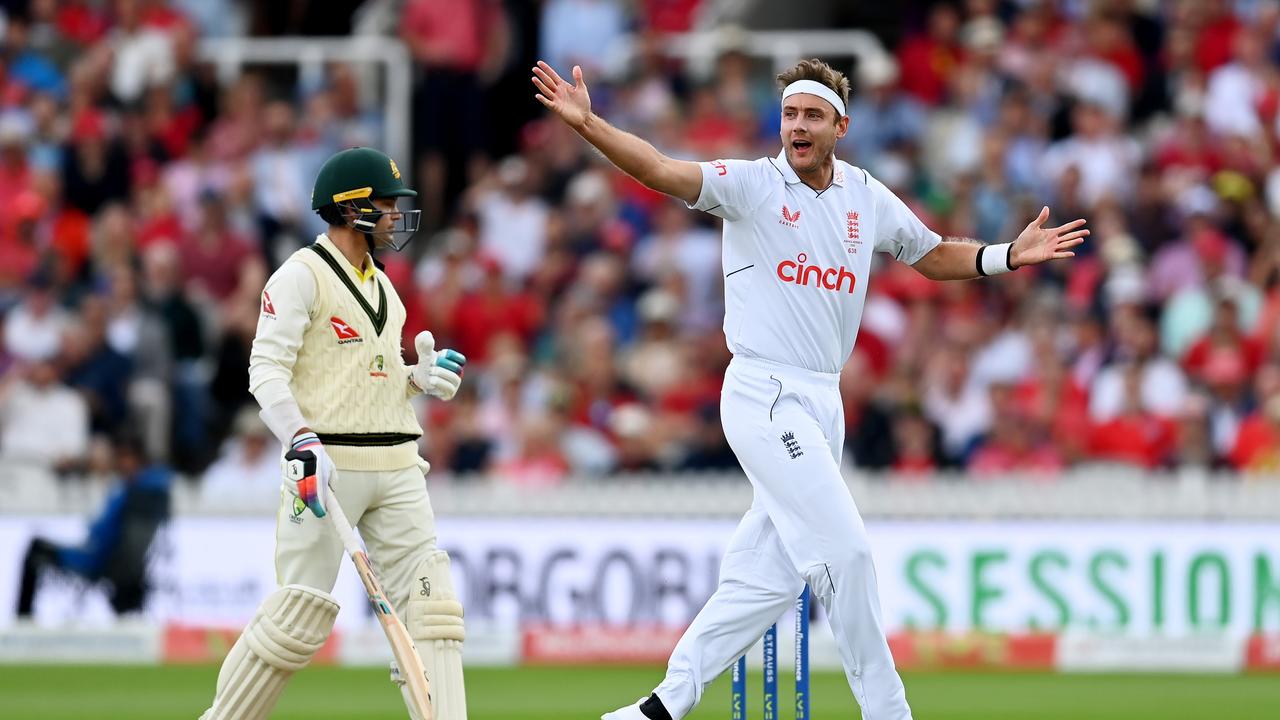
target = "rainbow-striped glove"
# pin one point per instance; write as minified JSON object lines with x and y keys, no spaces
{"x":307,"y":471}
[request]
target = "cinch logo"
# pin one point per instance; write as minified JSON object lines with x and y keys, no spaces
{"x":789,"y":218}
{"x":797,"y":273}
{"x":346,"y":333}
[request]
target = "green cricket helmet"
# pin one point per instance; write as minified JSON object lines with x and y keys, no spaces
{"x":352,"y":179}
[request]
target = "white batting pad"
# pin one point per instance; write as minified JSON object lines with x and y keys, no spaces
{"x":289,"y":628}
{"x":433,"y":617}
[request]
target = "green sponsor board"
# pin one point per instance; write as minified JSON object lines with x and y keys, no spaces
{"x":1130,"y":578}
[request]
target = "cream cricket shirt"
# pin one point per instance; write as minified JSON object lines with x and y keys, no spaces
{"x":796,"y":260}
{"x":329,"y":337}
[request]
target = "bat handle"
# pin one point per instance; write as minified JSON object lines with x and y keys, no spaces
{"x":341,"y":525}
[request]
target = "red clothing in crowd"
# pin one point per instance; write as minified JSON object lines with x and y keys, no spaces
{"x":669,"y":16}
{"x":914,"y":466}
{"x":1215,"y":45}
{"x":1065,"y":412}
{"x":1141,"y":439}
{"x":449,"y":33}
{"x":996,"y":459}
{"x":1211,"y":360}
{"x":926,"y":65}
{"x":1128,"y":61}
{"x":216,"y":263}
{"x":1257,"y":445}
{"x":480,"y":316}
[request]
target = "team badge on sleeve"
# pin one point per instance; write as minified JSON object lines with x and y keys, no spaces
{"x":267,"y":308}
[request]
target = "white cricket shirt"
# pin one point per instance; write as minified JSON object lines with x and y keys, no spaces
{"x":796,"y":260}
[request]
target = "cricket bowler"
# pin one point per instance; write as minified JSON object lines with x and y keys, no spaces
{"x":327,"y":370}
{"x":799,"y":232}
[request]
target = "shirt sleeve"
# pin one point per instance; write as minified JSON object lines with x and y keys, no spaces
{"x":898,"y":231}
{"x":730,"y":188}
{"x":285,"y":316}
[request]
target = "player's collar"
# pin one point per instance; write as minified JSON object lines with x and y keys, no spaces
{"x":369,"y":268}
{"x":788,"y":174}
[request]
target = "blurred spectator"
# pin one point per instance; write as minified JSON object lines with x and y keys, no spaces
{"x":1134,"y":435}
{"x":655,"y":363}
{"x":142,"y":47}
{"x":1160,"y":385}
{"x":95,"y":168}
{"x":882,"y":116}
{"x":1225,"y":343}
{"x":492,"y":310}
{"x":166,"y":300}
{"x":229,"y":386}
{"x":96,"y":369}
{"x":1016,"y":442}
{"x":915,"y":444}
{"x":149,"y":196}
{"x":34,"y":329}
{"x":117,"y":542}
{"x":959,"y":406}
{"x":1201,"y":253}
{"x":247,"y":464}
{"x":538,"y":461}
{"x":589,"y":33}
{"x":27,"y":66}
{"x":1257,"y":447}
{"x":679,"y":247}
{"x":513,"y":219}
{"x":707,"y":448}
{"x":215,"y":258}
{"x":928,"y":58}
{"x":1237,"y":90}
{"x":459,"y":45}
{"x":1104,"y":158}
{"x":42,"y":421}
{"x":1193,"y":440}
{"x":282,"y":180}
{"x":1189,"y":313}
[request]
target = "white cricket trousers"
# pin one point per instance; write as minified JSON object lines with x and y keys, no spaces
{"x":786,"y":425}
{"x":396,"y":522}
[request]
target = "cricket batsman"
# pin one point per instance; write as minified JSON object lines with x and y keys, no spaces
{"x":327,"y":370}
{"x":799,"y":232}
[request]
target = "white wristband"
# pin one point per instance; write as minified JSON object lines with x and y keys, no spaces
{"x":995,"y":259}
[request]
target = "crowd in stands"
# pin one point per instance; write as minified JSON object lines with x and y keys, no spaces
{"x":147,"y":201}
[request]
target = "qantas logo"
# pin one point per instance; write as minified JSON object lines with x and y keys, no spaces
{"x":790,"y":219}
{"x":346,"y":334}
{"x":267,"y":308}
{"x":796,"y":272}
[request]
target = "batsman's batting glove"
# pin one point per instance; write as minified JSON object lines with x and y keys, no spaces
{"x":438,"y":372}
{"x":307,"y":471}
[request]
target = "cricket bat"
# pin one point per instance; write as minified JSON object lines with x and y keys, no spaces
{"x":402,"y":647}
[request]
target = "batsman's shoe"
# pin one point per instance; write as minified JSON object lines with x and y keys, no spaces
{"x":646,"y":708}
{"x":630,"y":712}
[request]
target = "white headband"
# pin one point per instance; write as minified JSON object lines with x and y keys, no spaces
{"x":811,"y":87}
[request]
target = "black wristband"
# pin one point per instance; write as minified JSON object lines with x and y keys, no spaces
{"x":981,"y":272}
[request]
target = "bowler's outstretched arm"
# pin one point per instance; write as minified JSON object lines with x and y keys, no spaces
{"x":632,"y":155}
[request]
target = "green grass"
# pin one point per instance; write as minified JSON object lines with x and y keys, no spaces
{"x":147,"y":693}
